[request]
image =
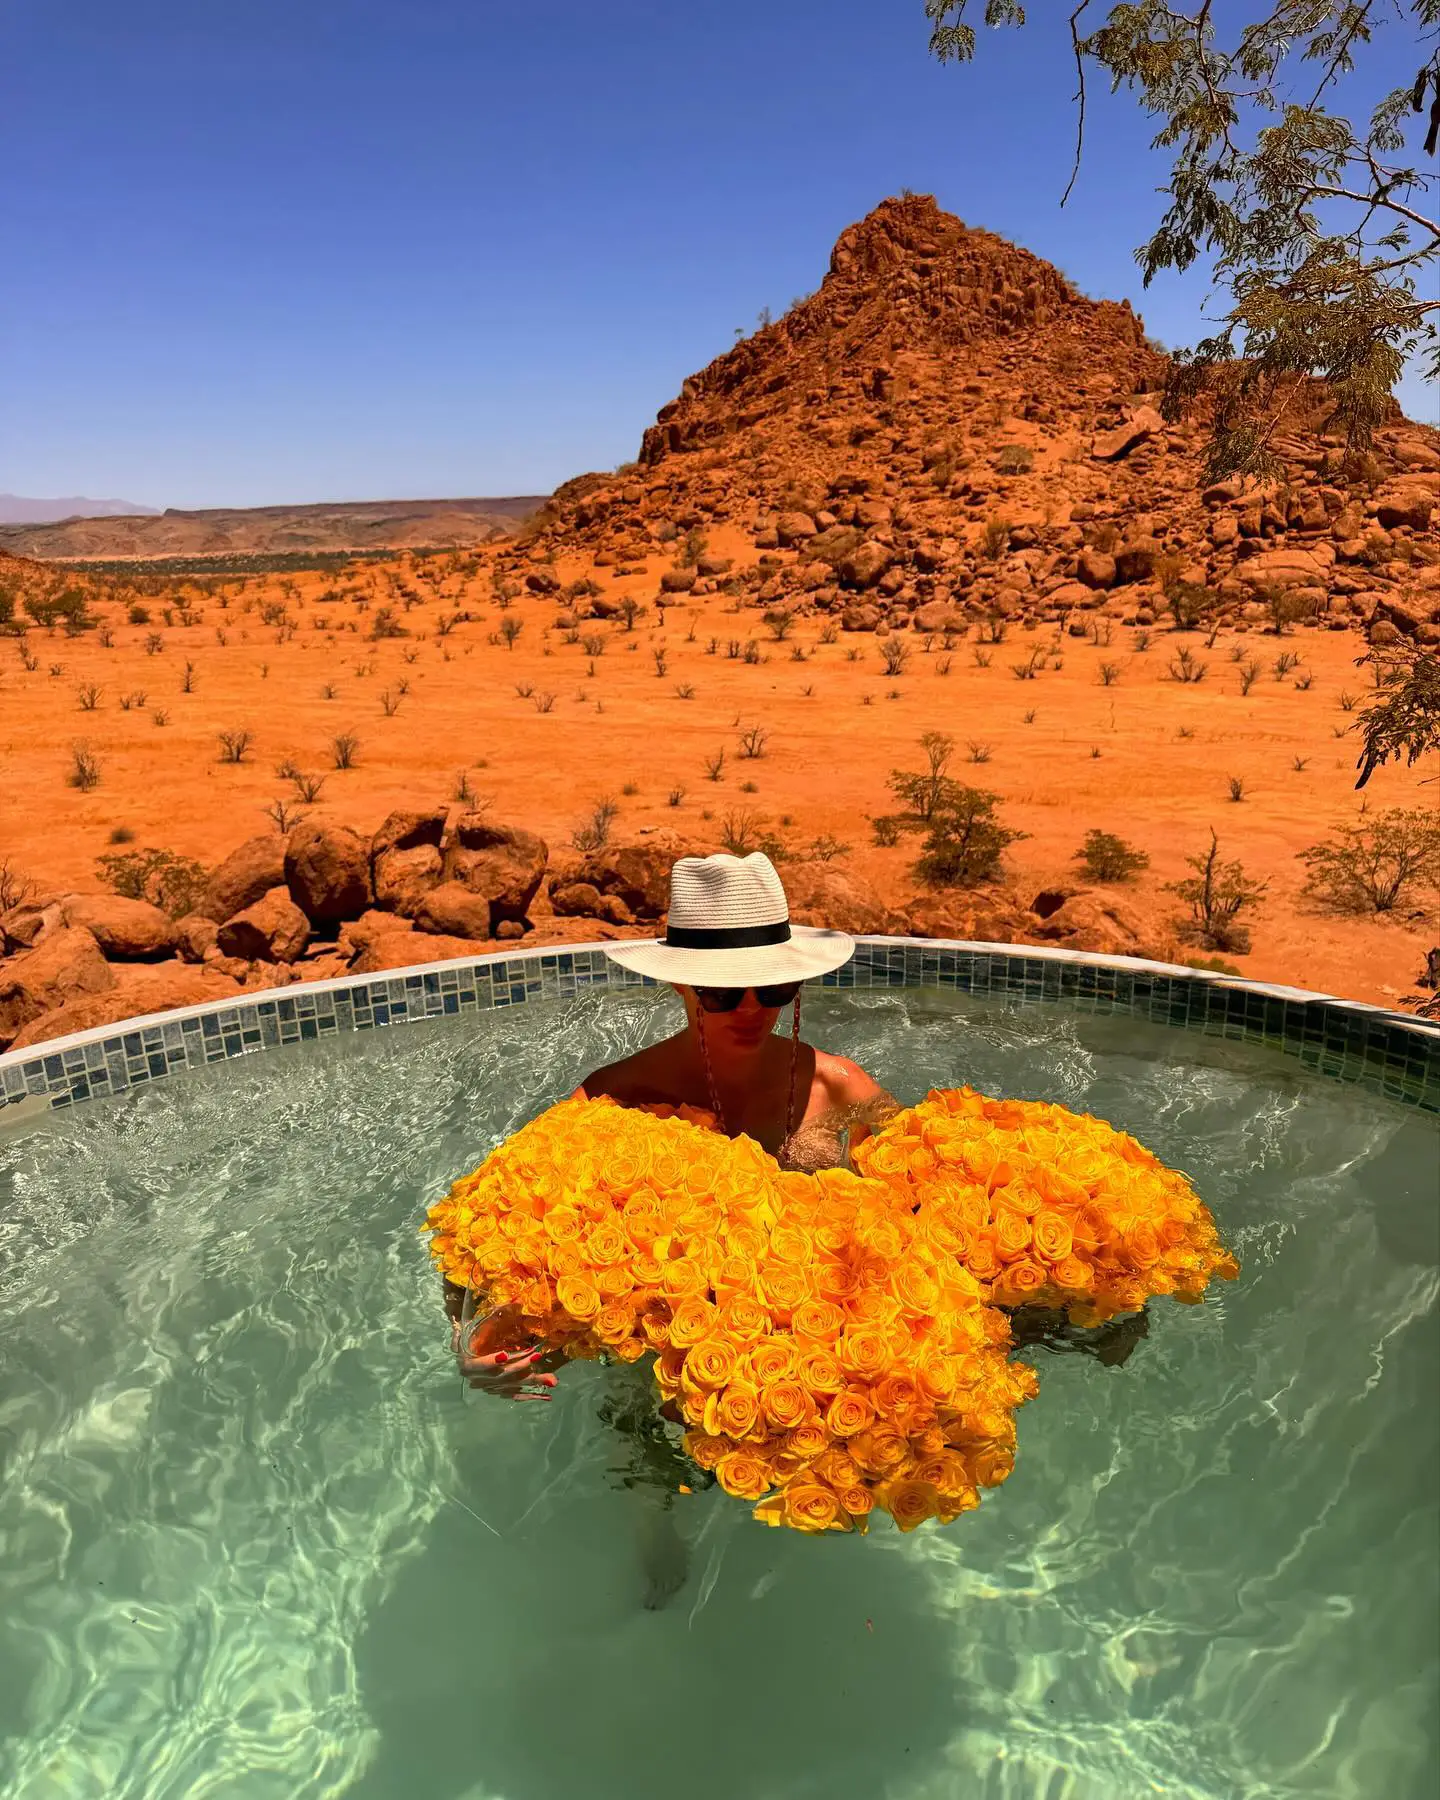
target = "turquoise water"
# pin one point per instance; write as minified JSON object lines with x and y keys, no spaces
{"x":256,"y":1540}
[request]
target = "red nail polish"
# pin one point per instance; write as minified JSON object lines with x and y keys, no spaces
{"x":502,"y":1357}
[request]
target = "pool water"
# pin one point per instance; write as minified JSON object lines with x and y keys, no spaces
{"x":256,"y":1540}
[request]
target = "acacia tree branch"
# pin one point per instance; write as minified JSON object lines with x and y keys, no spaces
{"x":1333,"y":66}
{"x":1372,"y":201}
{"x":1080,"y":98}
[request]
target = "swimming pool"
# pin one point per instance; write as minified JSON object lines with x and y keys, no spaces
{"x":258,"y":1541}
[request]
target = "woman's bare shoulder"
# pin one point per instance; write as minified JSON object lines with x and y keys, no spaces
{"x":846,"y":1083}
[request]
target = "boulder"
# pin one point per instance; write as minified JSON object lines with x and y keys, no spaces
{"x":1135,"y":561}
{"x":1406,"y":503}
{"x":583,"y":900}
{"x":27,"y":924}
{"x":865,"y":564}
{"x":142,"y":989}
{"x":1071,"y":594}
{"x":1139,"y":428}
{"x":244,"y":876}
{"x":66,"y":966}
{"x":1287,"y":568}
{"x":405,"y":859}
{"x":125,"y":930}
{"x":327,"y":870}
{"x":637,"y":875}
{"x":195,"y":937}
{"x":272,"y":930}
{"x":454,"y":910}
{"x":820,"y":894}
{"x":793,"y":528}
{"x":1087,"y":921}
{"x":937,"y":615}
{"x":503,"y":863}
{"x":860,"y":618}
{"x":381,"y":941}
{"x":678,"y":581}
{"x":1095,"y":569}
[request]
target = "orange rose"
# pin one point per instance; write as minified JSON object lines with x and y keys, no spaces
{"x":897,"y":1395}
{"x":785,"y":1286}
{"x":743,"y":1474}
{"x":1012,"y":1233}
{"x":1021,"y":1280}
{"x":819,"y":1370}
{"x":563,"y":1224}
{"x":786,"y":1404}
{"x":613,"y":1322}
{"x":909,"y":1502}
{"x":915,"y":1288}
{"x":850,"y":1411}
{"x":682,"y":1276}
{"x":1141,"y":1247}
{"x":834,"y":1280}
{"x":647,"y":1271}
{"x":772,"y":1359}
{"x":884,"y":1239}
{"x":744,"y":1319}
{"x":577,"y":1296}
{"x":819,"y":1319}
{"x":606,"y":1243}
{"x":734,"y":1411}
{"x":693,"y":1319}
{"x":991,"y":1462}
{"x":789,"y":1244}
{"x":1052,"y":1234}
{"x":807,"y":1441}
{"x":1074,"y":1273}
{"x":880,"y":1450}
{"x":709,"y":1365}
{"x":864,"y":1352}
{"x":811,"y":1507}
{"x":857,"y":1501}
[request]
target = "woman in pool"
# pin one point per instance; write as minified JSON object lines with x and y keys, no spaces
{"x":737,"y":963}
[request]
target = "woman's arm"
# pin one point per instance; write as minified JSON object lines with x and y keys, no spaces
{"x":867,"y":1103}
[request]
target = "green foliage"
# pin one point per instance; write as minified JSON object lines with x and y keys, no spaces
{"x":1105,"y":857}
{"x":1313,"y":226}
{"x":173,"y":883}
{"x":1371,"y":866}
{"x":1404,"y":717}
{"x":965,"y":842}
{"x":1216,"y":894}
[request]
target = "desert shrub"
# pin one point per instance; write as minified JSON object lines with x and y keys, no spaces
{"x":886,"y":830}
{"x":1189,"y":602}
{"x":88,"y":697}
{"x":137,"y":614}
{"x":1105,"y":857}
{"x":69,"y":608}
{"x":1286,"y":609}
{"x":171,"y":882}
{"x":386,"y":625}
{"x":921,"y":794}
{"x":1109,"y":673}
{"x":894,"y":654}
{"x":744,"y":832}
{"x":510,"y":629}
{"x":1216,"y":894}
{"x":780,"y":621}
{"x":235,"y":745}
{"x":285,"y":815}
{"x":1373,"y":865}
{"x":826,"y":848}
{"x":992,"y":628}
{"x":995,"y":538}
{"x":1014,"y":459}
{"x":1236,"y":785}
{"x":84,"y":768}
{"x":593,"y":832}
{"x":14,"y":887}
{"x":1186,"y":667}
{"x":344,"y":749}
{"x":1248,"y":673}
{"x":752,"y":742}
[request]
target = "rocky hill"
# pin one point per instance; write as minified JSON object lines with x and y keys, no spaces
{"x":25,"y":509}
{"x":262,"y":530}
{"x":947,"y":429}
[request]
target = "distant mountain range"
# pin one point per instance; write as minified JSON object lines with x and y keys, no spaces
{"x":20,"y":509}
{"x":269,"y":530}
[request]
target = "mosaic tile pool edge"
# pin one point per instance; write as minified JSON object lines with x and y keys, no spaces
{"x":1344,"y":1040}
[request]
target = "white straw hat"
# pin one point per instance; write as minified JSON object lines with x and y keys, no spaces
{"x":729,"y":926}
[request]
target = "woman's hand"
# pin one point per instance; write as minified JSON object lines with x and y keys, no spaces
{"x":511,"y":1375}
{"x":510,"y":1371}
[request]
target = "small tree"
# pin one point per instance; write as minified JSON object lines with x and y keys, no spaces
{"x":173,"y":883}
{"x":922,"y":794}
{"x":964,"y":841}
{"x":1370,"y":866}
{"x":1105,"y":857}
{"x":594,"y":833}
{"x":1216,"y":894}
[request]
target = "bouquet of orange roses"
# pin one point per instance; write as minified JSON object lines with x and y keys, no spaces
{"x":832,"y":1343}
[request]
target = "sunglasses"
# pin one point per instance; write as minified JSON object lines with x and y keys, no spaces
{"x":726,"y":999}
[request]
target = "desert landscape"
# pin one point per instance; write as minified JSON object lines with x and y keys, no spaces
{"x":913,"y":588}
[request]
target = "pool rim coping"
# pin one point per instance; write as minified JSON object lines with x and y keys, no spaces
{"x":1426,"y":1029}
{"x":1393,"y":1055}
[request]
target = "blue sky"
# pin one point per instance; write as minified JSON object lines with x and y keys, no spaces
{"x":333,"y":249}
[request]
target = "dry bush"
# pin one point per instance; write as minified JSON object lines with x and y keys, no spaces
{"x":1105,"y":857}
{"x":1374,"y":865}
{"x":1216,"y":894}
